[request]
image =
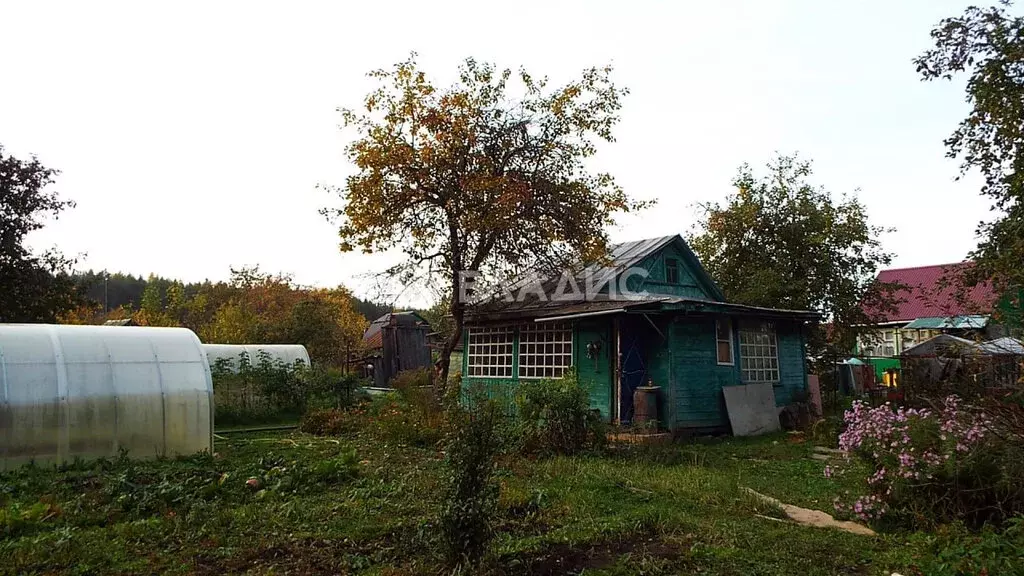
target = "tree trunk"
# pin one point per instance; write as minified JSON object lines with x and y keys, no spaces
{"x":457,"y":309}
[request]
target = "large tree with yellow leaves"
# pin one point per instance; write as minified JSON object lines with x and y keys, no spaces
{"x":488,"y":174}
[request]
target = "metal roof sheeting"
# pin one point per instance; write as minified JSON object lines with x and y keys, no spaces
{"x":924,"y":296}
{"x":973,"y":322}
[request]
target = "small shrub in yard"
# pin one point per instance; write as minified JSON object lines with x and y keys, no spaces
{"x":396,"y":420}
{"x":927,"y":467}
{"x":330,"y":387}
{"x":470,"y":497}
{"x":554,"y":416}
{"x":339,"y":469}
{"x":333,"y":421}
{"x":954,"y":551}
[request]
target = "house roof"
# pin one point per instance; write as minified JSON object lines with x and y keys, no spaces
{"x":621,"y":257}
{"x":373,"y":337}
{"x":923,"y":296}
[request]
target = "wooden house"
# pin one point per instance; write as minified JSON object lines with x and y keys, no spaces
{"x":651,"y":316}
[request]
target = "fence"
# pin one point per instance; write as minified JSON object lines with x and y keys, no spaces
{"x":919,"y":380}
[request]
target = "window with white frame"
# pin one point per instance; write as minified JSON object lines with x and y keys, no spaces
{"x":723,"y":340}
{"x":489,"y":352}
{"x":545,"y":350}
{"x":759,"y":355}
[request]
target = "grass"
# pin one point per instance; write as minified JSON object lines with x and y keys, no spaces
{"x":670,"y":510}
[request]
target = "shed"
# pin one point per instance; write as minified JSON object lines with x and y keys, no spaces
{"x":649,"y":318}
{"x":395,"y":342}
{"x":230,"y":354}
{"x":91,"y":391}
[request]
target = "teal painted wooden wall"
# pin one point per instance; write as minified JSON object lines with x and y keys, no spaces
{"x":655,"y":283}
{"x":698,"y":378}
{"x":595,"y":374}
{"x":685,"y":365}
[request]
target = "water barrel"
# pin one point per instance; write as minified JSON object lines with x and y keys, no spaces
{"x":645,"y":405}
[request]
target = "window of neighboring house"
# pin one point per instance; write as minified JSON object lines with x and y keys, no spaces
{"x":672,"y":271}
{"x":545,"y":350}
{"x":759,"y":355}
{"x":723,"y":339}
{"x":489,"y":352}
{"x":889,"y":335}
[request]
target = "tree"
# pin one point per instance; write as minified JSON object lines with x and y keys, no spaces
{"x":780,"y":242}
{"x":36,"y":287}
{"x":987,"y":44}
{"x":327,"y":323}
{"x":475,"y":178}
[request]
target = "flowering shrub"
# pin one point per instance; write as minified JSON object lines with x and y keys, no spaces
{"x":927,"y":466}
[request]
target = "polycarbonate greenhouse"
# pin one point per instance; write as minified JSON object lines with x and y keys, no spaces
{"x":230,"y":354}
{"x":91,"y":391}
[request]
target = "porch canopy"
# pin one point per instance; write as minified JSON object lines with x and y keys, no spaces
{"x":558,"y":311}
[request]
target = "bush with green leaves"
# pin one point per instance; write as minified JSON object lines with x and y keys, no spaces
{"x":263,"y":391}
{"x":335,"y":421}
{"x":932,"y":466}
{"x":470,"y":494}
{"x":954,"y":550}
{"x":554,"y":416}
{"x":328,"y":387}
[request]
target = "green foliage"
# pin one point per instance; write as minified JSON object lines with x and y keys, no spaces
{"x":470,"y":495}
{"x":554,"y":417}
{"x":36,"y":287}
{"x":397,"y":420}
{"x":17,"y":519}
{"x":986,"y":44}
{"x":332,"y":421}
{"x":334,"y":387}
{"x":262,"y":392}
{"x":675,"y":509}
{"x":956,"y":551}
{"x":781,"y":242}
{"x":337,"y":470}
{"x":253,"y":307}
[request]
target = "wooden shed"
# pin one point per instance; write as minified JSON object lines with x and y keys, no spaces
{"x":395,"y":342}
{"x":655,"y":319}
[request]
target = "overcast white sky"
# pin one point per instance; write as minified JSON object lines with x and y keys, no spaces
{"x":193,"y":135}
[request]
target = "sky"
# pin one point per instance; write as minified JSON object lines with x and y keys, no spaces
{"x":198,"y":136}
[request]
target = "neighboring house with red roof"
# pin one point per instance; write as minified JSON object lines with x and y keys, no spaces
{"x":929,"y":303}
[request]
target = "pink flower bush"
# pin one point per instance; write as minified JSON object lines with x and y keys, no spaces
{"x":905,"y":449}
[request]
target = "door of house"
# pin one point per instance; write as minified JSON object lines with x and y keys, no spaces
{"x":632,"y":364}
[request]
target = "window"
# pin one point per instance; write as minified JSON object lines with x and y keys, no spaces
{"x":672,"y":271}
{"x":545,"y":350}
{"x":889,"y":335}
{"x":759,"y":355}
{"x":723,"y":339}
{"x":490,"y":352}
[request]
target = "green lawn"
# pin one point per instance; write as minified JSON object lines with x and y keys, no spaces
{"x":655,"y":511}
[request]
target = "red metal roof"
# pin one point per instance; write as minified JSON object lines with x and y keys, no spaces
{"x":923,"y":296}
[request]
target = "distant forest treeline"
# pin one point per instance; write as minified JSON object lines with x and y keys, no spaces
{"x":252,"y":307}
{"x":125,"y":290}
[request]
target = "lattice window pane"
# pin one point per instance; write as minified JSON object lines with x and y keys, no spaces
{"x":545,"y":350}
{"x":490,"y":352}
{"x":759,"y":356}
